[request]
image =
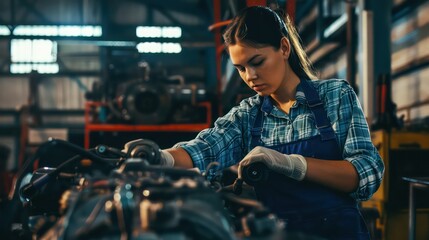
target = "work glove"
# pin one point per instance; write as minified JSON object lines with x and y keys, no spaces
{"x":148,"y":150}
{"x":291,"y":165}
{"x":166,"y":159}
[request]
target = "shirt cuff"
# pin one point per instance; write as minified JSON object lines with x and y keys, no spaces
{"x":367,"y":180}
{"x":195,"y":154}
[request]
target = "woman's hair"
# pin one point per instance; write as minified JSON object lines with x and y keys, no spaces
{"x":260,"y":27}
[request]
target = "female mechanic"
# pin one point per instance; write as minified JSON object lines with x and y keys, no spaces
{"x":311,"y":134}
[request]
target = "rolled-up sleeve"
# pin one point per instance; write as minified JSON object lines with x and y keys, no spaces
{"x":358,"y":148}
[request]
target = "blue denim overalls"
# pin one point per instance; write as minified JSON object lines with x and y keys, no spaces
{"x":308,"y":207}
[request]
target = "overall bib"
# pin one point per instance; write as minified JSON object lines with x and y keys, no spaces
{"x":306,"y":207}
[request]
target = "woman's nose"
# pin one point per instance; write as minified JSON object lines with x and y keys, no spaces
{"x":251,"y":74}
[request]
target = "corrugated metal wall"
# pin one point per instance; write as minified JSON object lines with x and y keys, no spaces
{"x":410,"y":60}
{"x":410,"y":53}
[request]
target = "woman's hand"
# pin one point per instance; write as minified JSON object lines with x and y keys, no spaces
{"x":149,"y":150}
{"x":293,"y":165}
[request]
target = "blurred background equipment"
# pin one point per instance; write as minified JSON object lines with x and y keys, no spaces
{"x":134,"y":96}
{"x":4,"y":176}
{"x":134,"y":93}
{"x":405,"y":155}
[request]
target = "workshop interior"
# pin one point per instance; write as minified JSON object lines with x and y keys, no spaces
{"x":81,"y":78}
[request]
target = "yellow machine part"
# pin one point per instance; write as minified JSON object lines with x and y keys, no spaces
{"x":393,"y":221}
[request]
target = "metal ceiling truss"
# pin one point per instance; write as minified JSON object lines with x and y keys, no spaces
{"x":31,"y":8}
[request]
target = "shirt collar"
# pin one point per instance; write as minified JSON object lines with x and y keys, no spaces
{"x":300,"y":95}
{"x":267,"y":102}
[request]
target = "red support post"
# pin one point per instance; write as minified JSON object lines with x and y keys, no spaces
{"x":291,"y":9}
{"x":218,"y":43}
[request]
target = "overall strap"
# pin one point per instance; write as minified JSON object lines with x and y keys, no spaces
{"x":256,"y":129}
{"x":316,"y":107}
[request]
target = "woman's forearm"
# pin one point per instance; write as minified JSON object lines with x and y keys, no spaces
{"x":340,"y":175}
{"x":181,"y":158}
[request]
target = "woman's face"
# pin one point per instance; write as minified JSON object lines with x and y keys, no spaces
{"x":262,"y":69}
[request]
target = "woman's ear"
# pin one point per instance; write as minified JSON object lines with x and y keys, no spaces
{"x":285,"y":47}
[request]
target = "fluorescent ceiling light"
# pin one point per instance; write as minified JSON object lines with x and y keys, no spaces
{"x":158,"y":32}
{"x":171,"y":48}
{"x":149,"y":47}
{"x":171,"y":32}
{"x":59,"y":30}
{"x":157,"y":47}
{"x":42,"y":68}
{"x":149,"y":32}
{"x":4,"y":30}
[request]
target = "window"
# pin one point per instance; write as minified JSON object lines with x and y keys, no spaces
{"x":4,"y":30}
{"x":39,"y":54}
{"x":159,"y":32}
{"x":157,"y":47}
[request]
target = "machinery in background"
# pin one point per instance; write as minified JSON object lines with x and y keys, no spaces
{"x":132,"y":93}
{"x":135,"y":99}
{"x":125,"y":194}
{"x":5,"y":176}
{"x":404,"y":153}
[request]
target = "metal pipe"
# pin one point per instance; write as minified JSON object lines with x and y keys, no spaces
{"x":218,"y":42}
{"x":412,"y":214}
{"x":291,"y":9}
{"x":368,"y":60}
{"x":351,"y":45}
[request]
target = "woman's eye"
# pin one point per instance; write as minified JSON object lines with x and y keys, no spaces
{"x":240,"y":69}
{"x":258,"y":63}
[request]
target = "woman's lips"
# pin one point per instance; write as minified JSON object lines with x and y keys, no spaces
{"x":259,"y":87}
